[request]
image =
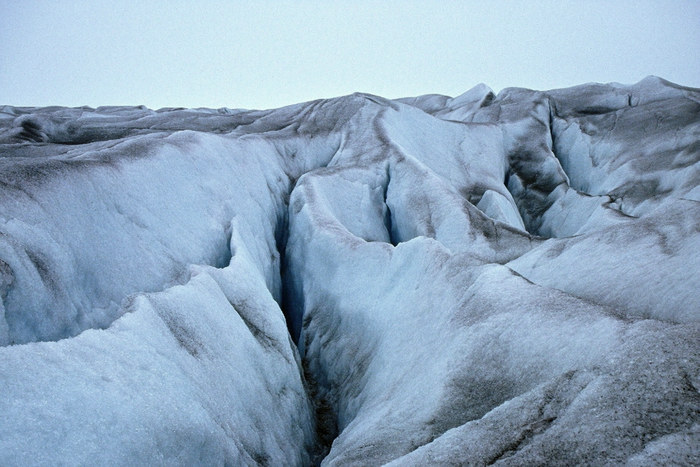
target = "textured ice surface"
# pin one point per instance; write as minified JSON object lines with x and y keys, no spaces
{"x":507,"y":279}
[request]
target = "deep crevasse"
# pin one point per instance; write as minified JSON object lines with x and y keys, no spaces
{"x":432,"y":325}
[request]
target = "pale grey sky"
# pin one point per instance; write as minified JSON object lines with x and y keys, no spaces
{"x":262,"y":54}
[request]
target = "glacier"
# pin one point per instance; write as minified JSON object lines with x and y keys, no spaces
{"x":508,"y":278}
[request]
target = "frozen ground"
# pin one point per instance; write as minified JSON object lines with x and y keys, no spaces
{"x":509,"y":279}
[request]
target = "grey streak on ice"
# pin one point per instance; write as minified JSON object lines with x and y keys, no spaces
{"x":505,"y":279}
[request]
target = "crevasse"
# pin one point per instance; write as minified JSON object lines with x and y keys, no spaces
{"x":484,"y":279}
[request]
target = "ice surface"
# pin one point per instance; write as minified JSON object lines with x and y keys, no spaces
{"x":507,"y":279}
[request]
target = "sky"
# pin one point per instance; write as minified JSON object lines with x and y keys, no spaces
{"x":265,"y":54}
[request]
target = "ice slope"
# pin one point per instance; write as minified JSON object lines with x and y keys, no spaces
{"x":506,"y":278}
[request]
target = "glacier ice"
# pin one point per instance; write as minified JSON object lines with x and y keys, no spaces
{"x":504,"y":278}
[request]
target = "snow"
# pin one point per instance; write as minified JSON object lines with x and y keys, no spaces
{"x":504,"y":279}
